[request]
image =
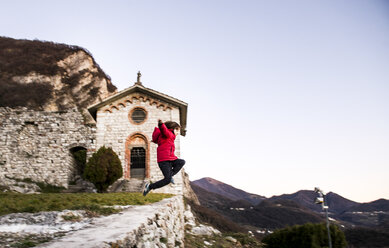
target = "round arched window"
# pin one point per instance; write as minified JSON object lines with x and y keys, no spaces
{"x":138,"y":115}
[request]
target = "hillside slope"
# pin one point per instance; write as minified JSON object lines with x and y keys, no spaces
{"x":267,"y":214}
{"x":49,"y":76}
{"x":288,"y":209}
{"x":215,"y":186}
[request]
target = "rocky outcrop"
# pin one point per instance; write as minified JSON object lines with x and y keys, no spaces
{"x":15,"y":185}
{"x":188,"y":191}
{"x":195,"y":228}
{"x":49,"y":76}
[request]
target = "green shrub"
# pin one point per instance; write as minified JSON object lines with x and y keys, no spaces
{"x":306,"y":236}
{"x":103,"y":168}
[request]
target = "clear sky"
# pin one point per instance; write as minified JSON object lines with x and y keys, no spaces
{"x":283,"y":95}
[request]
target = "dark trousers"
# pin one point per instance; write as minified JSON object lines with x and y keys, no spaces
{"x":169,"y":169}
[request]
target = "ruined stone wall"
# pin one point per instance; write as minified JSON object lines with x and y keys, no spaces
{"x":115,"y":129}
{"x":36,"y":144}
{"x":157,"y":225}
{"x":164,"y":229}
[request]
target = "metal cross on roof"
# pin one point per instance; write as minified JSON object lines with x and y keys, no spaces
{"x":138,"y":78}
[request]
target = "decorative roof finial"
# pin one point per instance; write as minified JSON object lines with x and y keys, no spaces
{"x":138,"y":78}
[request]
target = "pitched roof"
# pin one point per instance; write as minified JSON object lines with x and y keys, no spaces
{"x":139,"y":88}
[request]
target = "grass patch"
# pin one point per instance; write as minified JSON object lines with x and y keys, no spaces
{"x":29,"y":241}
{"x":47,"y":188}
{"x":23,"y":240}
{"x":94,"y":204}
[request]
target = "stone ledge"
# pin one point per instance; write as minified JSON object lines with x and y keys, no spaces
{"x":156,"y":225}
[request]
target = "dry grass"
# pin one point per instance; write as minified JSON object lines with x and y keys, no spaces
{"x":100,"y":204}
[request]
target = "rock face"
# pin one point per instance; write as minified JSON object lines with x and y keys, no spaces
{"x":49,"y":76}
{"x":188,"y":191}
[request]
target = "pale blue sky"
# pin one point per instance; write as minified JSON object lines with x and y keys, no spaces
{"x":283,"y":95}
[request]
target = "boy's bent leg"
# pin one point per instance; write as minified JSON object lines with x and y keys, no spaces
{"x":166,"y":169}
{"x":177,"y":165}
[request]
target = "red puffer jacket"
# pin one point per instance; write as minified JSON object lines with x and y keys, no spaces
{"x":165,"y":139}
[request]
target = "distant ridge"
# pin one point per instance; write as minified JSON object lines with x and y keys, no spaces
{"x":267,"y":214}
{"x":228,"y":191}
{"x":378,"y":205}
{"x":277,"y":211}
{"x":337,"y":204}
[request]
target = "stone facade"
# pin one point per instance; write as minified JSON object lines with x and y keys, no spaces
{"x":36,"y":145}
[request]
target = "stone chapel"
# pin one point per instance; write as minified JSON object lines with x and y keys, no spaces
{"x":125,"y":122}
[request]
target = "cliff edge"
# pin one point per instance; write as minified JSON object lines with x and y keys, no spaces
{"x":49,"y":76}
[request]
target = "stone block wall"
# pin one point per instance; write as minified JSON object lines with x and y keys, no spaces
{"x":157,"y":225}
{"x":116,"y":130}
{"x":36,"y":144}
{"x":165,"y":229}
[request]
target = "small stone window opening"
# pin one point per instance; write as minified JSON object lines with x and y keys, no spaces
{"x":138,"y":115}
{"x":30,"y":123}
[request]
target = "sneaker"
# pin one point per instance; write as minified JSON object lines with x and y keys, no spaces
{"x":172,"y":181}
{"x":147,"y":189}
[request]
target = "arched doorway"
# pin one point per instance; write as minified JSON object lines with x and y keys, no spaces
{"x":79,"y":159}
{"x":137,"y":157}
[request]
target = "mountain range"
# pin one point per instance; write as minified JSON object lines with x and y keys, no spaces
{"x":228,"y":191}
{"x":287,"y":209}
